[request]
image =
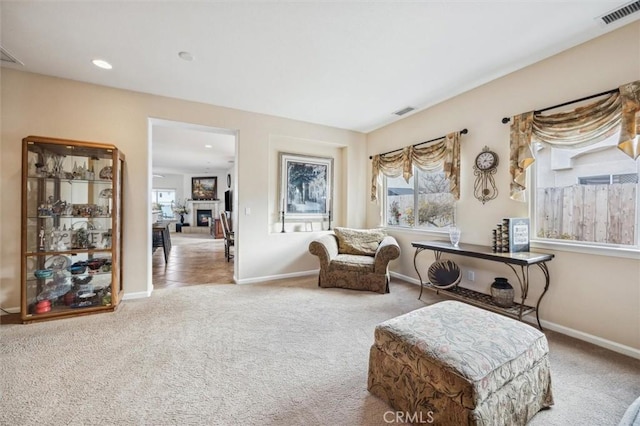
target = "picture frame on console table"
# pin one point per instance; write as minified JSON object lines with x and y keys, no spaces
{"x":519,"y":229}
{"x":204,"y":188}
{"x":306,"y":185}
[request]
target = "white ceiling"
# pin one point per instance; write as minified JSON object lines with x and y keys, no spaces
{"x":347,"y":64}
{"x":179,"y":148}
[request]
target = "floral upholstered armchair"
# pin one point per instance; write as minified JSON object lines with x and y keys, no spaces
{"x":355,"y":258}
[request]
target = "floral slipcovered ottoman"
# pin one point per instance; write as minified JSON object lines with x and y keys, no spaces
{"x":454,"y":364}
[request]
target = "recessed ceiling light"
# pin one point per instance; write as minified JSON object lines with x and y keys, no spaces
{"x":208,"y":146}
{"x":101,"y":63}
{"x":186,"y":56}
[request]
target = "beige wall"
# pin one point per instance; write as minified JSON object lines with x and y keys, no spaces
{"x":593,"y":294}
{"x":38,"y":105}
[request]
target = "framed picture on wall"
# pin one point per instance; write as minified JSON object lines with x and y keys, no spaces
{"x":306,"y":185}
{"x":204,"y":188}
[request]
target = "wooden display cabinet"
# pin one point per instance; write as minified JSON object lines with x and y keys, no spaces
{"x":71,"y":258}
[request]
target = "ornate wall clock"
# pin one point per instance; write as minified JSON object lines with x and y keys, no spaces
{"x":485,"y":167}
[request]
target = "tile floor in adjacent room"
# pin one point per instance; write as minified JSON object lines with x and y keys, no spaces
{"x":194,"y":259}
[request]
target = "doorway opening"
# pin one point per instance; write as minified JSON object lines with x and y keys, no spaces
{"x":183,"y":155}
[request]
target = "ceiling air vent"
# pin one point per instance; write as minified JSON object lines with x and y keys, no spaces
{"x":621,"y":12}
{"x":403,"y":111}
{"x":8,"y":57}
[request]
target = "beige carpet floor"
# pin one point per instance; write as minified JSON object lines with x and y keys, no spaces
{"x":278,"y":353}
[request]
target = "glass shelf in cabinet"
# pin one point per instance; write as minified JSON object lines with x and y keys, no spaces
{"x":70,"y":252}
{"x":64,"y":216}
{"x":105,"y":182}
{"x":76,"y":278}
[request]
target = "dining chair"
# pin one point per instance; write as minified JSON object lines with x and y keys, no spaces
{"x":229,"y":240}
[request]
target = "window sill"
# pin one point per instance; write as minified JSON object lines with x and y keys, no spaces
{"x":423,"y":231}
{"x":623,"y":252}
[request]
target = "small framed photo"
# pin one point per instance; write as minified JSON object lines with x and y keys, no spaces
{"x":204,"y":188}
{"x":305,"y":185}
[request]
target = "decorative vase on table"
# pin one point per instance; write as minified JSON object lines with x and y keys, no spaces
{"x":181,"y":218}
{"x":502,"y":292}
{"x":454,"y":235}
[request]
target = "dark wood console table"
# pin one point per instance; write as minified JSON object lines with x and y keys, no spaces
{"x":518,"y":262}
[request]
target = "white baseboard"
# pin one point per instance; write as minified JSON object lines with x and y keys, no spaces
{"x":278,"y":277}
{"x":598,"y":341}
{"x":136,"y":295}
{"x":405,"y":278}
{"x":548,"y":325}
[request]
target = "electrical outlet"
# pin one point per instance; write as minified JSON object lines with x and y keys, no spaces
{"x":471,"y":275}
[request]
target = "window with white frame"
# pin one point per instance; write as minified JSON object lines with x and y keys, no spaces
{"x":587,"y":195}
{"x":427,"y":193}
{"x":163,"y":199}
{"x":609,"y":179}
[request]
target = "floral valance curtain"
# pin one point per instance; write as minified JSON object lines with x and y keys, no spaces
{"x":429,"y":157}
{"x":580,"y":127}
{"x":629,"y":141}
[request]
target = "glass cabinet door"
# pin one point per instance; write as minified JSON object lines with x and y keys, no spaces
{"x":60,"y":282}
{"x":68,"y":226}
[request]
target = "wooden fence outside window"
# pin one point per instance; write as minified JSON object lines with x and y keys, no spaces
{"x":592,"y":213}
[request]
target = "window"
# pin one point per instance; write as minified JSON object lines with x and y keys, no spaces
{"x":163,"y":200}
{"x":587,"y":195}
{"x":434,"y":203}
{"x":607,"y":179}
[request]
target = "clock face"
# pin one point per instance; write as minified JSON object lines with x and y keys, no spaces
{"x":486,"y":160}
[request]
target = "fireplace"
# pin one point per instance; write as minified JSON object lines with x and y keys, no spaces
{"x":199,"y":210}
{"x":203,"y":217}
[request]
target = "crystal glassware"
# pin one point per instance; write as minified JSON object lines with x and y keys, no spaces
{"x":454,"y":235}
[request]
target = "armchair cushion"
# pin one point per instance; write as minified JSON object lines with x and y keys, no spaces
{"x":359,"y":241}
{"x":352,"y":262}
